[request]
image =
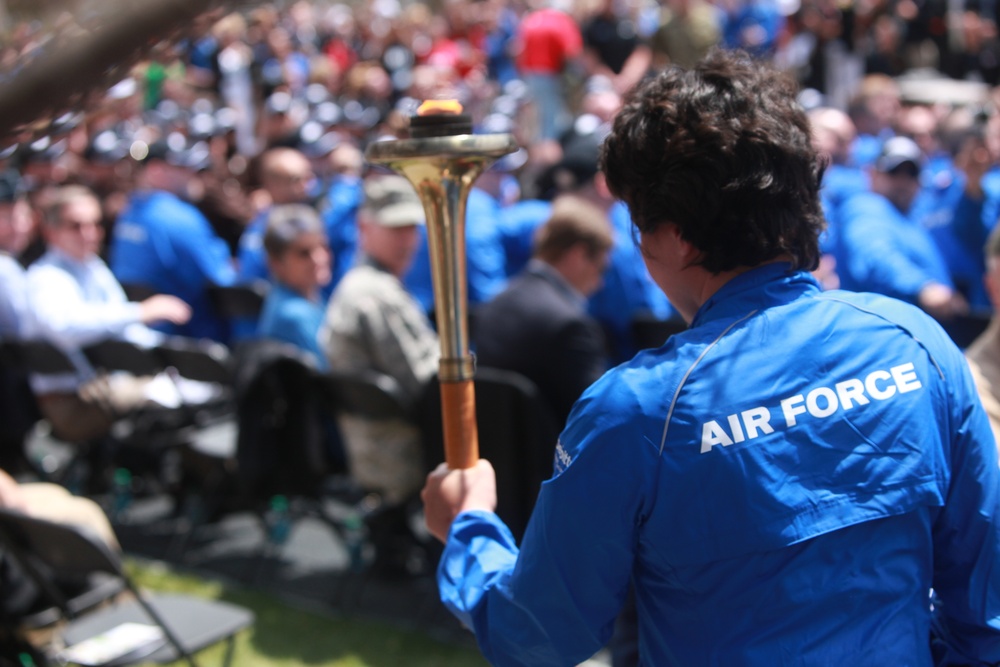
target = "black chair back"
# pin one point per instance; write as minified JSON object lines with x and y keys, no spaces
{"x":18,"y":410}
{"x":280,"y":411}
{"x":964,"y":329}
{"x":202,"y":360}
{"x":237,"y":301}
{"x":67,"y":551}
{"x":652,"y":332}
{"x":367,"y":393}
{"x":39,"y":356}
{"x":59,"y":559}
{"x":517,"y":434}
{"x":120,"y":355}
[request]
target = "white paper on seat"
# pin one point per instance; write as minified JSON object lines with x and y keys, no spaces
{"x":118,"y":641}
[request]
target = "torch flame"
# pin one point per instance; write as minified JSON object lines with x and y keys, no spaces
{"x":439,"y":106}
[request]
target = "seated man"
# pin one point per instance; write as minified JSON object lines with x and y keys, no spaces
{"x":539,"y":326}
{"x":166,"y":244}
{"x":372,"y":322}
{"x":880,"y":249}
{"x":299,"y":261}
{"x":285,"y":174}
{"x":77,"y":301}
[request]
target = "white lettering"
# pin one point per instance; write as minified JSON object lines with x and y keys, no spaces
{"x":790,"y":407}
{"x":874,"y":391}
{"x":757,"y":419}
{"x":712,"y":434}
{"x":905,"y":377}
{"x":819,"y":402}
{"x":850,"y":392}
{"x":734,"y":426}
{"x":829,"y":398}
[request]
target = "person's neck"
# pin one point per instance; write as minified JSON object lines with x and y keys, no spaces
{"x":706,"y":284}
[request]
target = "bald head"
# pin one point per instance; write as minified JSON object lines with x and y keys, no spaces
{"x":285,"y":174}
{"x":832,"y":133}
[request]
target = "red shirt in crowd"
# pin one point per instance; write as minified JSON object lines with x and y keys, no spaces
{"x":548,"y":38}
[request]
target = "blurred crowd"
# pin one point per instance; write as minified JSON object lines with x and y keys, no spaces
{"x":234,"y":156}
{"x":325,"y":79}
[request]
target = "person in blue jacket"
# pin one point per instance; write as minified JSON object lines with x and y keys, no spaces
{"x":285,"y":176}
{"x":785,"y":482}
{"x":164,"y":243}
{"x":298,"y":259}
{"x":950,"y":191}
{"x":880,"y":249}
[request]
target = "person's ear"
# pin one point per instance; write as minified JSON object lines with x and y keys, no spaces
{"x":666,"y":243}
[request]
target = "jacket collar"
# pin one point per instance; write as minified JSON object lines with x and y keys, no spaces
{"x":761,"y":287}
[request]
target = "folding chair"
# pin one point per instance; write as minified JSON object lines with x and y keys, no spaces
{"x":39,"y":357}
{"x":963,"y":329}
{"x":209,"y":365}
{"x":18,"y":412}
{"x":367,"y":393}
{"x":45,"y":550}
{"x":146,"y":439}
{"x":138,"y":291}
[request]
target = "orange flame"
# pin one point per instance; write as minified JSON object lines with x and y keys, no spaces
{"x":439,"y":106}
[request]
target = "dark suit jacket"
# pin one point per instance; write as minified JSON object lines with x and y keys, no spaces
{"x":539,"y":328}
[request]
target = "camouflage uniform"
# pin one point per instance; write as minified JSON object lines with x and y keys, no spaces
{"x":372,"y":322}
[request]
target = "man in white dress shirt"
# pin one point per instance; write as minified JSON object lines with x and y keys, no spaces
{"x":76,"y":302}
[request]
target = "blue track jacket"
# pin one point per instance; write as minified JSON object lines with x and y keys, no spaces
{"x":785,"y":483}
{"x":165,"y":243}
{"x":881,"y":250}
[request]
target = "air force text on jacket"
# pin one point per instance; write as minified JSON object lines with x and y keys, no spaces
{"x":817,"y":403}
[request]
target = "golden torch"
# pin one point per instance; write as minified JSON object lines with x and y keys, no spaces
{"x":441,"y":160}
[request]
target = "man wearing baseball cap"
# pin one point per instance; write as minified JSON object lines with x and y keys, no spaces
{"x":880,"y":249}
{"x":373,"y":323}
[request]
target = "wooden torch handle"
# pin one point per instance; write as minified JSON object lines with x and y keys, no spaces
{"x":458,"y":413}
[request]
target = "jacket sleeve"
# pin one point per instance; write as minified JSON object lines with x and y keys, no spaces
{"x":208,"y":253}
{"x":555,"y":601}
{"x":967,"y":539}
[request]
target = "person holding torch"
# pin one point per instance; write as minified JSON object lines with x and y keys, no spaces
{"x":784,"y":483}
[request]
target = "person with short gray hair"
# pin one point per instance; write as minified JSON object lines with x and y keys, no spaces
{"x":298,"y":258}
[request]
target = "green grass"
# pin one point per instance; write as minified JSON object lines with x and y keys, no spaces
{"x":284,"y":636}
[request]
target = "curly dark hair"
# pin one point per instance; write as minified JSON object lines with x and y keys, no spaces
{"x":723,"y":151}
